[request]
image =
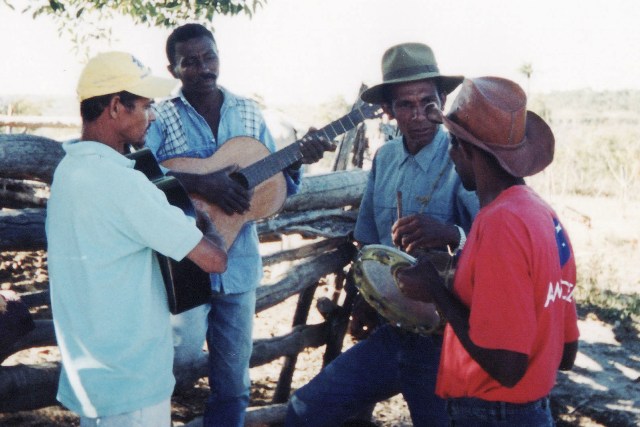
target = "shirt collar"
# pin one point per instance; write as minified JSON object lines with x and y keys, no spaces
{"x":425,"y":156}
{"x":229,"y":98}
{"x":78,"y":148}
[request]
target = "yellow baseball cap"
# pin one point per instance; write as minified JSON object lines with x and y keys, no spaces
{"x":112,"y":72}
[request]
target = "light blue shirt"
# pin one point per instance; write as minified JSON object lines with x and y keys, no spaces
{"x":429,"y":185}
{"x":180,"y":131}
{"x":109,"y":303}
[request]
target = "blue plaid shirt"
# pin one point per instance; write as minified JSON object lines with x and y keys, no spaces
{"x":180,"y":131}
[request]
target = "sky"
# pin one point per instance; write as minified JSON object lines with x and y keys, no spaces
{"x":312,"y":51}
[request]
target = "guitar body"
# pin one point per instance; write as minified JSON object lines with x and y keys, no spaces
{"x":187,"y":285}
{"x":260,"y":171}
{"x":268,"y":196}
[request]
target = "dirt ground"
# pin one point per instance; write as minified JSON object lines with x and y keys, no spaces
{"x":602,"y":390}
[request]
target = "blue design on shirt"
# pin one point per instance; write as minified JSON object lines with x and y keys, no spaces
{"x":561,"y":240}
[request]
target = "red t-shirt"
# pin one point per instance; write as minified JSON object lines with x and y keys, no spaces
{"x":517,"y":274}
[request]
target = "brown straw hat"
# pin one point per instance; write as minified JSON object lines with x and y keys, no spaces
{"x":491,"y":113}
{"x":409,"y":62}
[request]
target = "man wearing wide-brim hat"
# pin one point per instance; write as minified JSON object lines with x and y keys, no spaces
{"x":512,"y":318}
{"x":414,"y":172}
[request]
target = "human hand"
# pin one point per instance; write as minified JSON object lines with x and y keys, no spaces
{"x":415,"y":281}
{"x":313,"y":146}
{"x":422,"y":231}
{"x":208,"y":228}
{"x":219,"y":188}
{"x":364,"y":319}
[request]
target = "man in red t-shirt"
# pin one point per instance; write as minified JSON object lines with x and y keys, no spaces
{"x":511,"y":315}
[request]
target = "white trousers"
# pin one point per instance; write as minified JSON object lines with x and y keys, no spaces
{"x":152,"y":416}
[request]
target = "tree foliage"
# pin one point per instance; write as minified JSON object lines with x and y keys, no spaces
{"x":97,"y":15}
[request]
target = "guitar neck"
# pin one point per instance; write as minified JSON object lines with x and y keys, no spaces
{"x":265,"y":168}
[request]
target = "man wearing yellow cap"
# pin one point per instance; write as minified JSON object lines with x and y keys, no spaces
{"x":104,"y":221}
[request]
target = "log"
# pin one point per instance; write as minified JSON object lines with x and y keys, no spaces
{"x":304,"y":275}
{"x":37,"y":298}
{"x":324,"y":222}
{"x":42,"y":335}
{"x":330,"y":190}
{"x":300,"y":337}
{"x":22,"y":230}
{"x":283,"y":388}
{"x":346,"y":146}
{"x":256,"y":416}
{"x":34,"y":122}
{"x":339,"y":321}
{"x":29,"y":387}
{"x":266,"y":415}
{"x":19,"y":194}
{"x":360,"y":146}
{"x":29,"y":157}
{"x":306,"y":251}
{"x":325,"y":228}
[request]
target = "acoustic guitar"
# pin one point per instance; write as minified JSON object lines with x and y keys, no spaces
{"x":187,"y":285}
{"x":260,"y":171}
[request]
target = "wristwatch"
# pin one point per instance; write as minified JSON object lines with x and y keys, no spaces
{"x":463,"y":239}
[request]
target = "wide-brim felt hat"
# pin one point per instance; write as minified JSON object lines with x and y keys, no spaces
{"x":408,"y":62}
{"x":491,"y":113}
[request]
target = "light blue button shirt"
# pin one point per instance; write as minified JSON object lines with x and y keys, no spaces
{"x":428,"y":182}
{"x":180,"y":131}
{"x":109,"y":303}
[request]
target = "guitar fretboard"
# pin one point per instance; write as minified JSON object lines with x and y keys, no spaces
{"x":267,"y":167}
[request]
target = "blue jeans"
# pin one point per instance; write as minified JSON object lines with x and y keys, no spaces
{"x":229,"y":339}
{"x":472,"y":412}
{"x":228,"y":323}
{"x":389,"y":362}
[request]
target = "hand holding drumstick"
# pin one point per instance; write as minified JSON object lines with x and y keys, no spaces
{"x":421,"y":231}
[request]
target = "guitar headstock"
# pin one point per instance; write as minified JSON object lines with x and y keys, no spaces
{"x":370,"y":111}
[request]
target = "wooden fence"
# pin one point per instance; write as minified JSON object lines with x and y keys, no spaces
{"x":324,"y":210}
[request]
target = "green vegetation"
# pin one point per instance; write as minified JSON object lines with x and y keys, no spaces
{"x":98,"y":15}
{"x":597,"y":143}
{"x":598,"y":156}
{"x":598,"y":293}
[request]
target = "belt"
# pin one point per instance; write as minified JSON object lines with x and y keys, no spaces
{"x":497,"y":407}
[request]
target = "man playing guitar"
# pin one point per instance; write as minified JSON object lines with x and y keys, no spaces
{"x":196,"y":123}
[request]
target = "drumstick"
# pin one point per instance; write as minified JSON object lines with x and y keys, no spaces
{"x":399,"y":209}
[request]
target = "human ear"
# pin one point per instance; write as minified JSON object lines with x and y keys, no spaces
{"x":466,"y":149}
{"x":113,"y":106}
{"x":171,"y":69}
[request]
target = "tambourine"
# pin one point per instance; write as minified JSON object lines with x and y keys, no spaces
{"x":373,"y":273}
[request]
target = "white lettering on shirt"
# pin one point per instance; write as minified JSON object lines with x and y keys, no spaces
{"x":562,"y":290}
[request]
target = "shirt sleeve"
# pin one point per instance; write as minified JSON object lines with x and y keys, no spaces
{"x":366,"y":231}
{"x":148,"y":218}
